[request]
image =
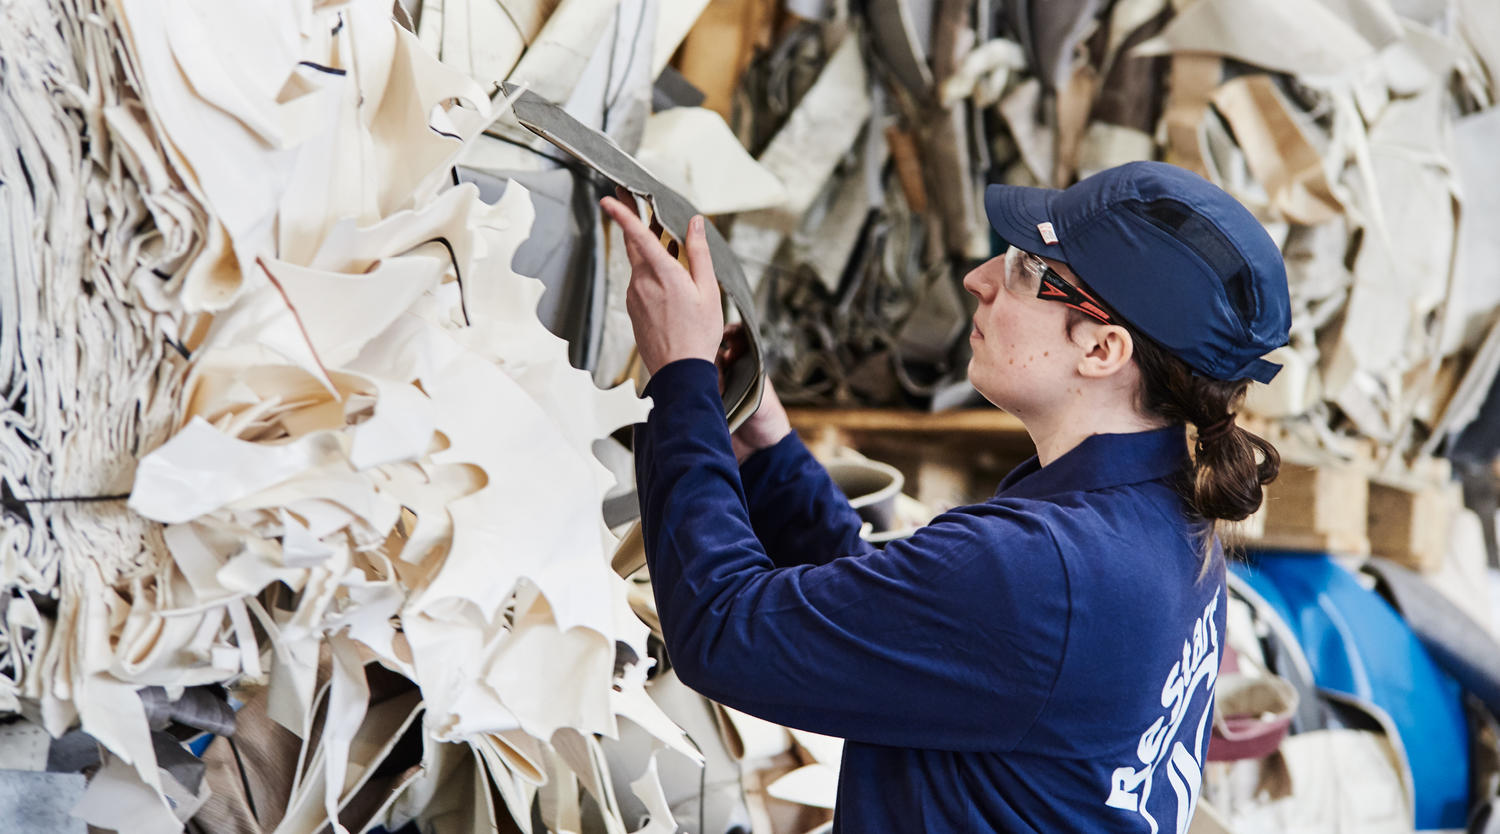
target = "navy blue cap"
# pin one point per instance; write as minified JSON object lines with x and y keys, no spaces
{"x":1182,"y":261}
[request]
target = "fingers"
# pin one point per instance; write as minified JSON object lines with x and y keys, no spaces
{"x":642,"y":247}
{"x":643,"y":243}
{"x":617,"y":211}
{"x":620,"y":211}
{"x":733,"y":344}
{"x":725,"y":357}
{"x":700,"y":260}
{"x":633,"y":252}
{"x":624,"y":196}
{"x":657,"y":230}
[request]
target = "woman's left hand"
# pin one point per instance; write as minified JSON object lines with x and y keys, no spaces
{"x":675,"y":313}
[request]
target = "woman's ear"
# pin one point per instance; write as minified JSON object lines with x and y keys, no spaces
{"x":1108,"y":348}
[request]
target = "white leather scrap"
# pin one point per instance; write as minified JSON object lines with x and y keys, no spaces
{"x":265,"y":312}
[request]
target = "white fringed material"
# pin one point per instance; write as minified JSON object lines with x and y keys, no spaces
{"x":370,"y":423}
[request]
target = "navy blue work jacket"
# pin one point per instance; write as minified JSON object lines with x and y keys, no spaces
{"x":1044,"y":661}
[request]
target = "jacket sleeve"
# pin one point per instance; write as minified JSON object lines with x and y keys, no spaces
{"x":951,"y":639}
{"x":796,"y":511}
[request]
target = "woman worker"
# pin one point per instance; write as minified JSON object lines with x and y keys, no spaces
{"x":1044,"y":661}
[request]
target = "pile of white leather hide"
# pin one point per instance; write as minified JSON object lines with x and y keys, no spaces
{"x":241,"y":288}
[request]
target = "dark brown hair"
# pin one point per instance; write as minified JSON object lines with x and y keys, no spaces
{"x":1229,"y":465}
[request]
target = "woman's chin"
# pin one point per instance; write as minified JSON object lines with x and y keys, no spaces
{"x":978,"y":377}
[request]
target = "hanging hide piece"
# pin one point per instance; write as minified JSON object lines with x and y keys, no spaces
{"x":1278,"y":148}
{"x":745,"y":379}
{"x":694,"y":152}
{"x":1290,"y":36}
{"x":894,"y":34}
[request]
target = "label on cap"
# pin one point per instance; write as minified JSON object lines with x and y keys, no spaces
{"x":1049,"y":235}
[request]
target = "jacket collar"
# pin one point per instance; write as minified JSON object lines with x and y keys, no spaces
{"x":1099,"y":462}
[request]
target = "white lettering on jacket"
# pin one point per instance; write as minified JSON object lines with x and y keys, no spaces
{"x":1130,"y":786}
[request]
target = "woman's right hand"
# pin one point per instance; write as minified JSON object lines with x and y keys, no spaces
{"x":769,"y":424}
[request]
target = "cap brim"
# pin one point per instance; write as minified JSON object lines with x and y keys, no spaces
{"x":1015,"y":211}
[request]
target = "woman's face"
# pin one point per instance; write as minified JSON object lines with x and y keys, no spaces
{"x":1024,"y":360}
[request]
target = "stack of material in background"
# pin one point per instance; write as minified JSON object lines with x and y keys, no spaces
{"x":1355,"y":131}
{"x":845,"y":148}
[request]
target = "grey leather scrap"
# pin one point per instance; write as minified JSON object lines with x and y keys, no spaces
{"x":1463,"y":647}
{"x":745,"y":379}
{"x":894,"y":34}
{"x":38,"y":803}
{"x":73,"y":752}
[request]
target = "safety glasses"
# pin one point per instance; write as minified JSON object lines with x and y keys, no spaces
{"x":1028,"y":276}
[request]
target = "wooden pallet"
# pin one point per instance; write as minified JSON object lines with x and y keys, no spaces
{"x":1410,"y":523}
{"x":1322,"y":508}
{"x":949,"y":458}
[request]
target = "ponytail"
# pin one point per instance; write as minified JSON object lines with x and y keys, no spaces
{"x":1229,"y":465}
{"x":1223,"y":480}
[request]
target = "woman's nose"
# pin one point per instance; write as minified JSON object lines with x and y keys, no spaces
{"x":977,"y":285}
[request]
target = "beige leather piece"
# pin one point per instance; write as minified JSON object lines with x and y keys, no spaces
{"x":722,"y":43}
{"x":825,"y":750}
{"x":481,"y":37}
{"x":1021,"y":109}
{"x":695,"y":153}
{"x":1075,"y":101}
{"x":983,"y":73}
{"x":1283,"y":35}
{"x":201,"y":470}
{"x":1208,"y":820}
{"x":1279,"y":149}
{"x":1105,"y":145}
{"x":416,"y":134}
{"x":671,"y":28}
{"x":341,"y":313}
{"x":582,"y":755}
{"x":258,"y":773}
{"x":497,"y":793}
{"x":446,"y":792}
{"x":1475,"y":285}
{"x":815,"y":785}
{"x":752,"y":738}
{"x":241,"y":195}
{"x":1480,"y":26}
{"x":117,"y":795}
{"x":553,"y":63}
{"x":1191,"y":82}
{"x":818,"y":133}
{"x":630,"y":553}
{"x":341,"y":754}
{"x":648,"y":788}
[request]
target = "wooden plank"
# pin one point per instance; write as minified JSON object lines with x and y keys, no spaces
{"x":949,"y":458}
{"x":981,"y":421}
